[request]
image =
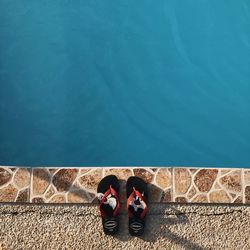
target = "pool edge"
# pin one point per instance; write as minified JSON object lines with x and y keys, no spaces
{"x":60,"y":185}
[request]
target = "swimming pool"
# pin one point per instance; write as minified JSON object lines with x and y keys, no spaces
{"x":105,"y":83}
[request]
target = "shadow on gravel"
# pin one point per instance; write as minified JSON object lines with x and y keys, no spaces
{"x":157,"y":227}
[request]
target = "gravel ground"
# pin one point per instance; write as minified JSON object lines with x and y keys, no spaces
{"x":169,"y":226}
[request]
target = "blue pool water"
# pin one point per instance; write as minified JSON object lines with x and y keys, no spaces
{"x":93,"y":83}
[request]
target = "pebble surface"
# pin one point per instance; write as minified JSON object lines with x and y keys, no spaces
{"x":169,"y":226}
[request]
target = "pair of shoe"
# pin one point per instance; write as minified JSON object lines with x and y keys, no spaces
{"x":137,"y":198}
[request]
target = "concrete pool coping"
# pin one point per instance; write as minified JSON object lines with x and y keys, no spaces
{"x":167,"y":184}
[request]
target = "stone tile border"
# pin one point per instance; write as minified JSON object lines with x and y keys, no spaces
{"x":14,"y":184}
{"x":167,"y":184}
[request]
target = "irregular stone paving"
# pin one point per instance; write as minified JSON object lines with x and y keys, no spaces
{"x":14,"y":184}
{"x":208,"y":185}
{"x":78,"y":185}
